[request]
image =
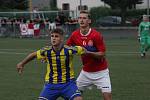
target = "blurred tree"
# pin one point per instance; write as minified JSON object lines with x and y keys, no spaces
{"x":21,"y":4}
{"x":123,"y":5}
{"x":14,"y":4}
{"x":53,"y":4}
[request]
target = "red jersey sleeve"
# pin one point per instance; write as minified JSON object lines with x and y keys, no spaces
{"x":99,"y":42}
{"x":73,"y":38}
{"x":70,"y":41}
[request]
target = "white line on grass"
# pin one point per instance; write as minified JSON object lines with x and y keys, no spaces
{"x":16,"y":53}
{"x":109,"y":53}
{"x":15,"y":49}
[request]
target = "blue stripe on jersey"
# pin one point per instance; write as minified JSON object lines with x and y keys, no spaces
{"x":51,"y":67}
{"x":74,"y":51}
{"x":59,"y":69}
{"x":67,"y":64}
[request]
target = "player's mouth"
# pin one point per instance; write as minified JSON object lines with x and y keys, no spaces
{"x":81,"y":23}
{"x":53,"y":42}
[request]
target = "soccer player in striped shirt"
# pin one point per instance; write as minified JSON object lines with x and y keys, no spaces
{"x":59,"y":79}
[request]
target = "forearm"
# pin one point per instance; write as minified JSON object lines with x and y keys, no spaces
{"x":27,"y":59}
{"x":138,"y":34}
{"x":139,"y":30}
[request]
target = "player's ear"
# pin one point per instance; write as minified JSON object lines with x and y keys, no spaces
{"x":90,"y":21}
{"x":62,"y":39}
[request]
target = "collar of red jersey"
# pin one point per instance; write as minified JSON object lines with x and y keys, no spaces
{"x":87,"y":33}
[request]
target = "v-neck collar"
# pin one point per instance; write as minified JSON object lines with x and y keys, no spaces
{"x":57,"y":50}
{"x":87,"y":32}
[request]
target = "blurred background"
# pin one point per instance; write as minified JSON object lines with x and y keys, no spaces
{"x":49,"y":14}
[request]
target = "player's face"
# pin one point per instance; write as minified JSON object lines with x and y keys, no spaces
{"x":83,"y":20}
{"x":145,"y":19}
{"x":56,"y":39}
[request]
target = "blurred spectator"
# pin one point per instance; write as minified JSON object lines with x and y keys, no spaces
{"x":42,"y":24}
{"x":0,"y":23}
{"x":31,"y":28}
{"x":63,"y":18}
{"x":60,"y":20}
{"x":51,"y":25}
{"x":57,"y":21}
{"x":36,"y":29}
{"x":71,"y":25}
{"x":23,"y":28}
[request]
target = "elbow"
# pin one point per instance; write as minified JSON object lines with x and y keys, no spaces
{"x":101,"y":55}
{"x":32,"y":55}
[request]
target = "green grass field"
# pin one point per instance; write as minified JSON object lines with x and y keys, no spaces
{"x":129,"y":73}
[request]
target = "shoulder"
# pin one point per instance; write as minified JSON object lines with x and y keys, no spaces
{"x":96,"y":33}
{"x":77,"y":31}
{"x":72,"y":47}
{"x":43,"y":51}
{"x":46,"y":48}
{"x":68,"y":47}
{"x":141,"y":23}
{"x":74,"y":35}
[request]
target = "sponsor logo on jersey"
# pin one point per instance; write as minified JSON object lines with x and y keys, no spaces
{"x":90,"y":43}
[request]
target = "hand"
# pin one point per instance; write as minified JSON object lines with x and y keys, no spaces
{"x":139,"y":39}
{"x":43,"y":60}
{"x":20,"y":67}
{"x":85,"y":50}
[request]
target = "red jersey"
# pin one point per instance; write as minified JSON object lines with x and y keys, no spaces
{"x":93,"y":41}
{"x":36,"y":29}
{"x":30,"y":26}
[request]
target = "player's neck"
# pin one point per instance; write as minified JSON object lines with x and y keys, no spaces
{"x":84,"y":31}
{"x":58,"y":48}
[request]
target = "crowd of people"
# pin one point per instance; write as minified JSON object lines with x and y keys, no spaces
{"x":35,"y":27}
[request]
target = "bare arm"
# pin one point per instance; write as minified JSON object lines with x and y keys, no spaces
{"x":27,"y":59}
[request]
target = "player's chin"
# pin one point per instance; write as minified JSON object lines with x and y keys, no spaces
{"x":82,"y":25}
{"x":54,"y":45}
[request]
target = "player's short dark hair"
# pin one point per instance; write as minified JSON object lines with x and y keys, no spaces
{"x":58,"y":30}
{"x":85,"y":12}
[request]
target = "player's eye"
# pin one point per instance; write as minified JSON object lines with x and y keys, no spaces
{"x":54,"y":36}
{"x":82,"y":17}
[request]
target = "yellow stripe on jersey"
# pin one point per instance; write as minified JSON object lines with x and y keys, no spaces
{"x":42,"y":57}
{"x":80,"y":50}
{"x":39,"y":56}
{"x":71,"y":64}
{"x":47,"y":73}
{"x":59,"y":64}
{"x":63,"y":65}
{"x":54,"y":66}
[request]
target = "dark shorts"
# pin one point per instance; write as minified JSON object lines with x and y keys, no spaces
{"x":67,"y":90}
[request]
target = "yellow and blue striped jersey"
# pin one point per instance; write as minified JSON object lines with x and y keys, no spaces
{"x":59,"y":63}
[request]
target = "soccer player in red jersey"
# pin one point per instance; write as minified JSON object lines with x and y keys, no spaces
{"x":95,"y":66}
